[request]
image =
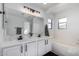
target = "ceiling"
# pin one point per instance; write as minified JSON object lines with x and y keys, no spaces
{"x":47,"y":8}
{"x":42,"y":6}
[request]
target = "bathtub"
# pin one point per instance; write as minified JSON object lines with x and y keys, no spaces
{"x":62,"y":49}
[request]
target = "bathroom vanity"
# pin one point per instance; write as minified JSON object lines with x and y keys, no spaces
{"x":33,"y":46}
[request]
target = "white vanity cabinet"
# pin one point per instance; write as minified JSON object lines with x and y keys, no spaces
{"x":28,"y":49}
{"x":48,"y":45}
{"x":44,"y":46}
{"x":32,"y":49}
{"x":41,"y":47}
{"x":13,"y":51}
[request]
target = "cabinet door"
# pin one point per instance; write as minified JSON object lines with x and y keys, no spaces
{"x":12,"y":51}
{"x":48,"y":45}
{"x":32,"y":49}
{"x":41,"y":47}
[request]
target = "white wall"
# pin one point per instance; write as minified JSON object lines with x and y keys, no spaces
{"x":71,"y":34}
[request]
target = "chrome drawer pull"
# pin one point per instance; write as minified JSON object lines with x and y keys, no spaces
{"x":21,"y":49}
{"x":26,"y":48}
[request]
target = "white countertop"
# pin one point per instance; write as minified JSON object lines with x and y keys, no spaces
{"x":17,"y":42}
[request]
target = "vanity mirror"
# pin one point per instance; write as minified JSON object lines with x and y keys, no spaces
{"x":19,"y":23}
